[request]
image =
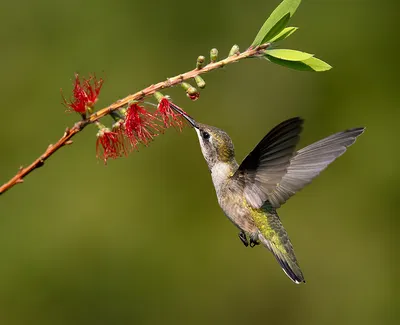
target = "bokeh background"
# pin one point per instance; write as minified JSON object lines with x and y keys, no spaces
{"x":143,"y":240}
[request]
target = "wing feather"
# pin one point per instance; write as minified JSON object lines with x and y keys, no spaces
{"x":265,"y":166}
{"x":274,"y":172}
{"x":309,"y":162}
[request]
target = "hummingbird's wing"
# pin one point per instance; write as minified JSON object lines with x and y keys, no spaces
{"x":273,"y":172}
{"x":265,"y":166}
{"x":309,"y":162}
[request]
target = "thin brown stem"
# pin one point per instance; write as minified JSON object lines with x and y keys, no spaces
{"x":79,"y":126}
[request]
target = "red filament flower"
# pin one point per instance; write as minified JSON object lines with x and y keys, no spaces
{"x":140,"y":125}
{"x":118,"y":128}
{"x":169,"y":116}
{"x":91,"y":88}
{"x":108,"y":145}
{"x":85,"y":94}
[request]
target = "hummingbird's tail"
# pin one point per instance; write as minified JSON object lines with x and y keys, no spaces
{"x":277,"y":241}
{"x":286,"y":259}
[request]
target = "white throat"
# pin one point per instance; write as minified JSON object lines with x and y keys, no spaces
{"x":220,"y":173}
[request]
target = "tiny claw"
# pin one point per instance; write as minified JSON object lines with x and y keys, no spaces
{"x":18,"y":181}
{"x":253,"y":242}
{"x":243,"y":238}
{"x":68,"y":142}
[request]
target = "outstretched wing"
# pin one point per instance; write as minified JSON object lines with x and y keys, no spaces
{"x":309,"y":162}
{"x":273,"y":172}
{"x":266,"y":165}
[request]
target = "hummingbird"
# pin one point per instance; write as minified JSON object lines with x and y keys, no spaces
{"x":250,"y":193}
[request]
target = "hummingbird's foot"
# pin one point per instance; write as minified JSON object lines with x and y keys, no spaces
{"x":253,"y":242}
{"x":243,"y":238}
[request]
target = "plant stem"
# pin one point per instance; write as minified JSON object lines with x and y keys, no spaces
{"x":140,"y":95}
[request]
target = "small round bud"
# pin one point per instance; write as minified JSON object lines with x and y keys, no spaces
{"x":200,"y":82}
{"x":191,"y":92}
{"x":234,"y":50}
{"x":89,"y":109}
{"x":158,"y":96}
{"x":185,"y":86}
{"x":214,"y":55}
{"x":200,"y":62}
{"x":123,"y":111}
{"x":193,"y":95}
{"x":131,"y":102}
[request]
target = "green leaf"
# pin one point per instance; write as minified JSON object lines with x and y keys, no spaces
{"x":285,"y":33}
{"x":289,"y":55}
{"x":311,"y":64}
{"x":317,"y":64}
{"x":277,"y":28}
{"x":276,"y":21}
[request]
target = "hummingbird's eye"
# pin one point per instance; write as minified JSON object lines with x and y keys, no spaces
{"x":205,"y":135}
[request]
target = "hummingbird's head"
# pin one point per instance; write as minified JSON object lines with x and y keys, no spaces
{"x":216,"y":145}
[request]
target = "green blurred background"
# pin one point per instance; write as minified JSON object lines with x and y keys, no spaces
{"x":143,"y":240}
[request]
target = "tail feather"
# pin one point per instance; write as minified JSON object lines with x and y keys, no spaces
{"x":287,"y":260}
{"x":273,"y":236}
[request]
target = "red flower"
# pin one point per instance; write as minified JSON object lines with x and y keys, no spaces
{"x":118,"y":128}
{"x":169,"y":116}
{"x":85,"y":94}
{"x":140,"y":125}
{"x":92,"y":88}
{"x":108,"y":145}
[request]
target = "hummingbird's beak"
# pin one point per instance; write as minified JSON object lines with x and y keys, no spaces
{"x":187,"y":117}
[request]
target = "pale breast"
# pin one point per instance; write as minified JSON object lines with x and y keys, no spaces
{"x":230,"y":198}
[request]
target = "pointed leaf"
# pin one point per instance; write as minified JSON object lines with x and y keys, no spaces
{"x":289,"y":55}
{"x":311,"y":64}
{"x":277,"y":28}
{"x":317,"y":64}
{"x":277,"y":18}
{"x":285,"y":33}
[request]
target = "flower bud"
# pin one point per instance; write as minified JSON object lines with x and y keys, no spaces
{"x":185,"y":86}
{"x":191,"y":92}
{"x":200,"y":62}
{"x":234,"y":50}
{"x":158,"y":96}
{"x":214,"y":55}
{"x":200,"y":82}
